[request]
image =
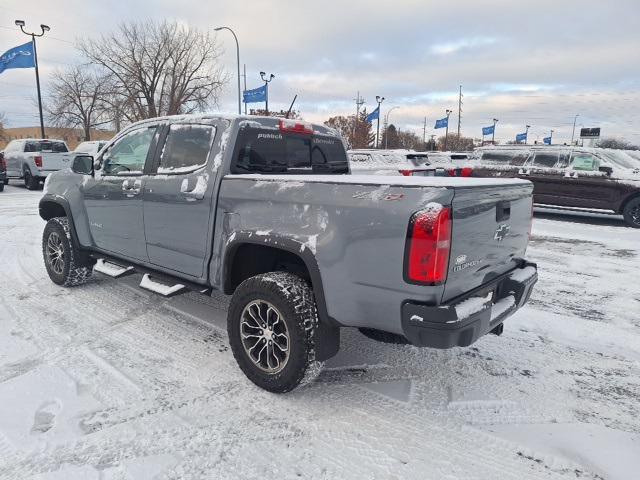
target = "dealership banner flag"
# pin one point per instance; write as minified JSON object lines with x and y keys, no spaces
{"x":521,"y":137}
{"x":488,"y":130}
{"x":256,"y":95}
{"x":374,"y":115}
{"x":442,"y":123}
{"x":18,"y":57}
{"x":547,"y":140}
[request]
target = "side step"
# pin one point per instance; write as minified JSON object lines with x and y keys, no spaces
{"x":160,"y":288}
{"x":111,"y":269}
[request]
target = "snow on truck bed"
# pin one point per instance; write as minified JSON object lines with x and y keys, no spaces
{"x":107,"y":381}
{"x":391,"y":180}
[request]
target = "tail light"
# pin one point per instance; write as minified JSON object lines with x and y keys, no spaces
{"x":294,"y":126}
{"x":466,"y":172}
{"x":38,"y":160}
{"x":406,"y":173}
{"x":428,"y":245}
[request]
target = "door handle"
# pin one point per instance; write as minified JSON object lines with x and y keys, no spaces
{"x":131,"y":189}
{"x":195,"y":193}
{"x":522,"y":171}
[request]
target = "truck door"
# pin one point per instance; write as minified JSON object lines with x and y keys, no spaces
{"x":586,"y":186}
{"x":113,"y":198}
{"x":177,"y":199}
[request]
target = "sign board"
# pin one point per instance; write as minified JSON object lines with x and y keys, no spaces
{"x":590,"y":133}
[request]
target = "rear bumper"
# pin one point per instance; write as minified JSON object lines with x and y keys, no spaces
{"x":462,"y":322}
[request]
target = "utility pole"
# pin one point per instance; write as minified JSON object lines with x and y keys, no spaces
{"x":573,"y":132}
{"x":551,"y":137}
{"x":446,"y":132}
{"x":424,"y":134}
{"x":359,"y":102}
{"x":526,"y":134}
{"x":245,"y":84}
{"x":379,"y":100}
{"x":459,"y":111}
{"x":266,"y":81}
{"x":493,"y":134}
{"x":43,"y":28}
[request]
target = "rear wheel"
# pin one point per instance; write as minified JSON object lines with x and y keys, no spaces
{"x":271,"y":323}
{"x":631,"y":213}
{"x":30,"y":181}
{"x":65,"y":264}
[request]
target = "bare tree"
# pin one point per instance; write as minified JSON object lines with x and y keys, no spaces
{"x":357,"y":134}
{"x":616,"y":143}
{"x":456,"y":144}
{"x":2,"y":120}
{"x":77,"y":99}
{"x":159,"y":68}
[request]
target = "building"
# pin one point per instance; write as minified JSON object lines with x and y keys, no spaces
{"x":72,"y":136}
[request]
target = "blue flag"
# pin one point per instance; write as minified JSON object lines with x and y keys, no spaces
{"x":488,"y":130}
{"x":547,"y":140}
{"x":521,"y":137}
{"x":18,"y":57}
{"x":442,"y":123}
{"x":374,"y":115}
{"x":256,"y":95}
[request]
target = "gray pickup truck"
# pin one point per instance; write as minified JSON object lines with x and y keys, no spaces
{"x":265,"y":210}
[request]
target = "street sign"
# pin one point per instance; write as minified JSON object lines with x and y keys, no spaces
{"x":590,"y":133}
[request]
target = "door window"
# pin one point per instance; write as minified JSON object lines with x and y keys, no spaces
{"x":545,"y":160}
{"x":584,"y":162}
{"x":128,"y":155}
{"x":187,"y":148}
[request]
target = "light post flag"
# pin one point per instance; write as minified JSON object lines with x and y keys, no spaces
{"x":374,"y":115}
{"x":18,"y":57}
{"x":488,"y":130}
{"x":256,"y":95}
{"x":521,"y":137}
{"x":442,"y":123}
{"x":547,"y":140}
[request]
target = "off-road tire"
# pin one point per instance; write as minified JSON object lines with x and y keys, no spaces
{"x":6,"y":181}
{"x":76,"y":267}
{"x":631,"y":212}
{"x":293,"y":298}
{"x":384,"y":337}
{"x":31,"y":182}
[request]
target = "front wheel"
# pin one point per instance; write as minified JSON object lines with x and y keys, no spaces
{"x":631,"y":213}
{"x":271,"y":323}
{"x":65,"y":264}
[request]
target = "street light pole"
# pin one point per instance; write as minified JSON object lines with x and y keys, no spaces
{"x":43,"y":28}
{"x":379,"y":99}
{"x":573,"y":132}
{"x":386,"y":126}
{"x":238,"y":61}
{"x":446,"y":132}
{"x":266,"y":81}
{"x":493,"y":135}
{"x":526,"y":134}
{"x":551,"y":137}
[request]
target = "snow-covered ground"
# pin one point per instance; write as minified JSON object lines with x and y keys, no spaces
{"x":107,"y":381}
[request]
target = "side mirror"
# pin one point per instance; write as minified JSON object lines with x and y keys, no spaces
{"x":606,"y":169}
{"x":83,"y":164}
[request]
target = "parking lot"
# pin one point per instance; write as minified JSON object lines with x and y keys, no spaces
{"x":108,"y":381}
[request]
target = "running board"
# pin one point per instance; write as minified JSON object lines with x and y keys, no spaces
{"x":111,"y":269}
{"x":160,"y":288}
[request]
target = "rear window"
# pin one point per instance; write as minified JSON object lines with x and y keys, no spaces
{"x":272,"y":151}
{"x":45,"y":146}
{"x":505,"y":158}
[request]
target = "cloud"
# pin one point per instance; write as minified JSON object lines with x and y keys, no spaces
{"x":462,"y":44}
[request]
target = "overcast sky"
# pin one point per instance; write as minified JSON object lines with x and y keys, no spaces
{"x":536,"y":63}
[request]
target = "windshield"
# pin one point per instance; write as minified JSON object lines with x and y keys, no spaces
{"x":271,"y":151}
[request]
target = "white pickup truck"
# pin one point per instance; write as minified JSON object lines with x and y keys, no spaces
{"x":32,"y":159}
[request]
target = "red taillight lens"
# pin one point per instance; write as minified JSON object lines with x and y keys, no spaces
{"x":429,"y":245}
{"x":406,"y":173}
{"x":3,"y":165}
{"x":38,"y":160}
{"x":451,"y":172}
{"x":295,"y":126}
{"x":466,"y":172}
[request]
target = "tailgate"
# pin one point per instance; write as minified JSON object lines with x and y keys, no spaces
{"x":53,"y":161}
{"x":490,"y":233}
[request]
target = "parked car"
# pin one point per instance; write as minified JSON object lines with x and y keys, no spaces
{"x":570,"y":178}
{"x":33,"y":159}
{"x":3,"y":172}
{"x":90,"y":147}
{"x":404,"y":162}
{"x":263,"y":209}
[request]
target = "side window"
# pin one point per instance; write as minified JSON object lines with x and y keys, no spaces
{"x":186,"y":148}
{"x":584,"y":162}
{"x":545,"y":160}
{"x":129,"y":154}
{"x":563,"y":160}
